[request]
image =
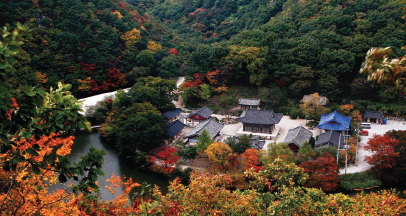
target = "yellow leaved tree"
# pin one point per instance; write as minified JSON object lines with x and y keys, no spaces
{"x":312,"y":105}
{"x":131,"y":37}
{"x":153,"y":47}
{"x":84,"y":84}
{"x":219,"y":152}
{"x":119,"y":15}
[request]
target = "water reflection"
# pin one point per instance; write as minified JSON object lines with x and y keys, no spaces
{"x":113,"y":164}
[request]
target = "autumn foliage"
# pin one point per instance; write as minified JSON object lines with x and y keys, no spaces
{"x":42,"y":78}
{"x":114,"y":79}
{"x":251,"y":157}
{"x":153,"y":47}
{"x":196,"y":82}
{"x":89,"y":68}
{"x":384,"y":155}
{"x":173,"y":51}
{"x":322,"y":172}
{"x":94,"y":86}
{"x":131,"y":37}
{"x":166,"y":160}
{"x":219,"y":152}
{"x":31,"y":196}
{"x":346,"y":109}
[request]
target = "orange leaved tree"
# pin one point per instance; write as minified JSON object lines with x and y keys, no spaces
{"x":251,"y":157}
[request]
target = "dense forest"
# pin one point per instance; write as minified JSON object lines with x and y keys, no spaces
{"x":294,"y":47}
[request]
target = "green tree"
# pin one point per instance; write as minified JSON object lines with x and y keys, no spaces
{"x":277,"y":150}
{"x":145,"y":59}
{"x":305,"y":151}
{"x":168,"y":67}
{"x":137,"y":72}
{"x":191,"y":95}
{"x":139,"y":127}
{"x":203,"y":141}
{"x":157,"y":91}
{"x":205,"y":93}
{"x":189,"y":152}
{"x":244,"y":142}
{"x":272,"y":96}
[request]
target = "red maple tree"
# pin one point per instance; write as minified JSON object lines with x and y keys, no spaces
{"x":322,"y":172}
{"x":104,"y":86}
{"x":383,"y":148}
{"x":251,"y":157}
{"x":88,"y":67}
{"x":166,"y":160}
{"x":197,"y":81}
{"x":173,"y":51}
{"x":94,"y":87}
{"x":114,"y":77}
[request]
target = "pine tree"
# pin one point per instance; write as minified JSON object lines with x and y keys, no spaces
{"x":203,"y":141}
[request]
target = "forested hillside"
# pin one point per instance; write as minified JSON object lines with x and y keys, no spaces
{"x":92,"y":45}
{"x":298,"y":46}
{"x":292,"y":47}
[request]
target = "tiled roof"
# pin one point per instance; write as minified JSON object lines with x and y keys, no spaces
{"x":204,"y":112}
{"x":211,"y":126}
{"x":260,"y":117}
{"x":373,"y":114}
{"x":170,"y":114}
{"x":174,"y":128}
{"x":332,"y":138}
{"x":257,"y":143}
{"x":334,"y":121}
{"x":298,"y":136}
{"x":322,"y":100}
{"x":249,"y":101}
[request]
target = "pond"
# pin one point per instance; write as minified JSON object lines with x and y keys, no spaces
{"x":113,"y":164}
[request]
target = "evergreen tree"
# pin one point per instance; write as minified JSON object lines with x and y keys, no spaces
{"x":244,"y":143}
{"x":203,"y":141}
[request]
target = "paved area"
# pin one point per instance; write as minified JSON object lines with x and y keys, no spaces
{"x":91,"y":101}
{"x":375,"y":129}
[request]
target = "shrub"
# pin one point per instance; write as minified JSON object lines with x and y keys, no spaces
{"x":294,"y":113}
{"x":360,"y":180}
{"x":189,"y":152}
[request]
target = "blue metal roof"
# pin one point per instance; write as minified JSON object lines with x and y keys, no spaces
{"x":170,"y":114}
{"x":174,"y":128}
{"x":334,"y":121}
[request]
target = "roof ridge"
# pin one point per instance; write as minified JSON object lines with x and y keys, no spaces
{"x":297,"y":132}
{"x":331,"y":134}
